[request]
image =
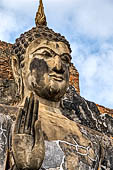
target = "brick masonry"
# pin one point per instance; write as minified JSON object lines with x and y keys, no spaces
{"x":8,"y":87}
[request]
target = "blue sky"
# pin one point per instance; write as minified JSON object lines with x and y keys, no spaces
{"x":87,"y":24}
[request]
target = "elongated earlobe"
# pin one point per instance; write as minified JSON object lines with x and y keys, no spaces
{"x":15,"y":68}
{"x":17,"y":75}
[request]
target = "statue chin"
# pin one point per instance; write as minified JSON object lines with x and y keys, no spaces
{"x":53,"y":90}
{"x":50,"y":93}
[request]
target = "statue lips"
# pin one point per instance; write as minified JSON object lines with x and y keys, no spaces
{"x":56,"y":77}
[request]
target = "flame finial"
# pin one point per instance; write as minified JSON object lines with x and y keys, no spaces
{"x":40,"y":15}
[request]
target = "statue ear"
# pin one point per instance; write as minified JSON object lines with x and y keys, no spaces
{"x":17,"y":75}
{"x":15,"y":68}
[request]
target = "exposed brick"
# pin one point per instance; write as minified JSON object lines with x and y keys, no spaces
{"x":7,"y":80}
{"x":74,"y":78}
{"x":104,"y":110}
{"x":5,"y":61}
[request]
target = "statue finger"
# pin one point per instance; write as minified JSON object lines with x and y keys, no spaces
{"x":35,"y":115}
{"x":18,"y":122}
{"x":29,"y":114}
{"x":26,"y":107}
{"x":23,"y":116}
{"x":22,"y":123}
{"x":39,"y":138}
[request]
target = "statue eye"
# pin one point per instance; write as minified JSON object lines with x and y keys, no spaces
{"x":66,"y":59}
{"x":47,"y":54}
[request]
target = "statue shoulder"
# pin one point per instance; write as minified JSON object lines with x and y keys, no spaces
{"x":8,"y":111}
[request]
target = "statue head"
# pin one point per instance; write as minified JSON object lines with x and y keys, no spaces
{"x":41,"y":60}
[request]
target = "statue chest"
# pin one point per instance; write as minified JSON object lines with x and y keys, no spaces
{"x":68,"y":145}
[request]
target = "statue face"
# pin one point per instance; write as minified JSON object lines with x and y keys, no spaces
{"x":46,"y":70}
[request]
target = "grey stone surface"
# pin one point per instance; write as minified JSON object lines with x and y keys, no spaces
{"x":53,"y":156}
{"x":5,"y":128}
{"x":8,"y":92}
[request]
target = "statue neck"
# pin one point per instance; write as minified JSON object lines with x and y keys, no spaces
{"x":42,"y":101}
{"x":48,"y":102}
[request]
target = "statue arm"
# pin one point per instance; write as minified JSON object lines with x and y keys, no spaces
{"x":27,"y":139}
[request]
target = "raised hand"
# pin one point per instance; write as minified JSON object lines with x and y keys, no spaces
{"x":27,"y":140}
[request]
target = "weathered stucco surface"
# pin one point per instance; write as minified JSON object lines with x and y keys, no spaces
{"x":44,"y":122}
{"x":74,"y":108}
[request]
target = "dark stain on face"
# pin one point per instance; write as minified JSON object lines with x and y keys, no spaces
{"x":57,"y":46}
{"x":40,"y":67}
{"x":67,"y":75}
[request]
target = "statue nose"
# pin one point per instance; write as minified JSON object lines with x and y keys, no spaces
{"x":58,"y":67}
{"x":58,"y":62}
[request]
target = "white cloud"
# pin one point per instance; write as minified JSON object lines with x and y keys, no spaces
{"x":96,"y":72}
{"x":17,"y":17}
{"x":6,"y":26}
{"x":95,"y":17}
{"x":81,"y":21}
{"x":90,"y":17}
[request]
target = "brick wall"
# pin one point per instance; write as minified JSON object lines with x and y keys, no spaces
{"x":5,"y":65}
{"x":74,"y":78}
{"x":8,"y":86}
{"x":104,"y":110}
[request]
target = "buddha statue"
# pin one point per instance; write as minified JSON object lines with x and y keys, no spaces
{"x":44,"y":135}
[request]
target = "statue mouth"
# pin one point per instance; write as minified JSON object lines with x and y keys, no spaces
{"x":56,"y":77}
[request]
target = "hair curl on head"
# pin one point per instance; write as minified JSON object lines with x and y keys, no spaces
{"x":19,"y":48}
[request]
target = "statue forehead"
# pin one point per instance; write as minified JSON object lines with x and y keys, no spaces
{"x":58,"y":47}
